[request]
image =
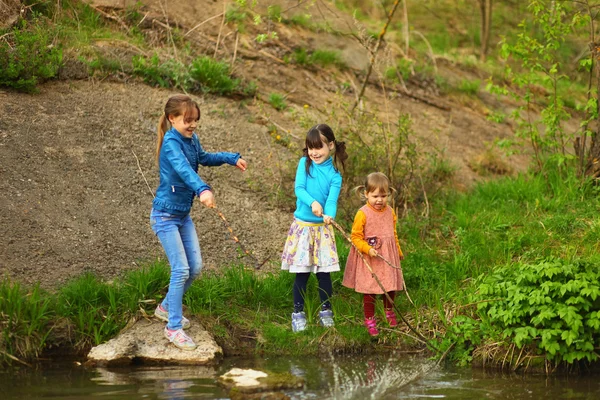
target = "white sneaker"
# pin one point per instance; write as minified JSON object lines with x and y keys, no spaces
{"x":180,"y":339}
{"x":163,"y":315}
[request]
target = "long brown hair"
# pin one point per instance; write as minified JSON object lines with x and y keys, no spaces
{"x":177,"y":105}
{"x":314,"y":141}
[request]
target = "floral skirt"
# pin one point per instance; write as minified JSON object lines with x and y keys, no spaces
{"x":310,"y":247}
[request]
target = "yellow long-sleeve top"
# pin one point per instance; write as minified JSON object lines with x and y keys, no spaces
{"x":358,"y":229}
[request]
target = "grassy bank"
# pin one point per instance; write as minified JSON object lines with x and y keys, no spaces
{"x":246,"y":313}
{"x":464,"y":267}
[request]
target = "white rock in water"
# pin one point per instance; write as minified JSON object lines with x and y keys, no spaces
{"x":239,"y":377}
{"x":244,"y":382}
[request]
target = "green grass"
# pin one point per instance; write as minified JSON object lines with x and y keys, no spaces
{"x":277,"y":101}
{"x":25,"y":321}
{"x":323,"y":58}
{"x":468,"y":236}
{"x":512,"y":219}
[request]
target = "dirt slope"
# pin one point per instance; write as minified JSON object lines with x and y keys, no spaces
{"x":75,"y":198}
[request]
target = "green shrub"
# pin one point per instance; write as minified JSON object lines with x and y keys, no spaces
{"x":166,"y":74}
{"x":550,"y":308}
{"x":469,"y":87}
{"x":277,"y":101}
{"x":213,"y":76}
{"x":28,"y":56}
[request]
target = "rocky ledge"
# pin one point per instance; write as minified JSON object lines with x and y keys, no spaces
{"x":144,"y":342}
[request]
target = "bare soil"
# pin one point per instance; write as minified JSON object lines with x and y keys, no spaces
{"x":77,"y":159}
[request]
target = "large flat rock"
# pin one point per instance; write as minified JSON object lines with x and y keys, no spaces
{"x":145,"y":343}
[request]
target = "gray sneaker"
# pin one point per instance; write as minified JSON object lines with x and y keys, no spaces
{"x":180,"y":339}
{"x":326,"y":318}
{"x":163,"y":315}
{"x":298,"y":321}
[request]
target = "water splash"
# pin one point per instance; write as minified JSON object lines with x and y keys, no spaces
{"x":378,"y":380}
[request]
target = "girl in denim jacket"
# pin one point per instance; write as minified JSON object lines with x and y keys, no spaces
{"x":179,"y":154}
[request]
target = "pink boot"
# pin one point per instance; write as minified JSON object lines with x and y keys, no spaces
{"x":371,"y":325}
{"x":391,"y":318}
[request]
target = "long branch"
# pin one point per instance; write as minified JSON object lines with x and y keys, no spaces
{"x":374,"y":53}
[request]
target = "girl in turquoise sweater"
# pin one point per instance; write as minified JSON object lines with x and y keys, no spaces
{"x":310,"y":245}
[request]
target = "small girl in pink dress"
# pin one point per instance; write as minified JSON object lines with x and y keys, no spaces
{"x":374,"y":234}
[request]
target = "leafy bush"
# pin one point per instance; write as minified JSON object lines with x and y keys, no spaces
{"x":550,"y":308}
{"x":28,"y":56}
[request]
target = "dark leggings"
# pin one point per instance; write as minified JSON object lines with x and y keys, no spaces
{"x":369,"y":303}
{"x":325,"y":289}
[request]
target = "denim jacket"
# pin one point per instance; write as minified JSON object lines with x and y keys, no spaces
{"x":178,"y":164}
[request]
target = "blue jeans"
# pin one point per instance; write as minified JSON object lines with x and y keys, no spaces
{"x":178,"y":237}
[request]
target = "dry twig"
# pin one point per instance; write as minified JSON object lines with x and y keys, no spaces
{"x":202,"y":23}
{"x":142,"y":172}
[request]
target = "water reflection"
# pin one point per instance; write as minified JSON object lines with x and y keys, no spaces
{"x":172,"y":383}
{"x":394,"y":376}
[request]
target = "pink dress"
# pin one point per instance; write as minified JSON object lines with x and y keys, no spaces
{"x":379,"y":232}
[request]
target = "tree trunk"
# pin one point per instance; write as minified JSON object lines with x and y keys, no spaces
{"x":485,"y":7}
{"x":593,"y":158}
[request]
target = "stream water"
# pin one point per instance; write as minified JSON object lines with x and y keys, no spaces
{"x":349,"y":377}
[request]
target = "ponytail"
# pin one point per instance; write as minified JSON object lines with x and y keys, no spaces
{"x":341,"y":155}
{"x":163,"y":127}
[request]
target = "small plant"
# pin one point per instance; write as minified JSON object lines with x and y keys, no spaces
{"x":323,"y":58}
{"x":102,"y":64}
{"x":166,"y":74}
{"x":234,"y":14}
{"x":303,"y":20}
{"x":300,"y":56}
{"x":274,"y":13}
{"x":277,"y":101}
{"x":213,"y":76}
{"x":404,"y":68}
{"x":470,"y":87}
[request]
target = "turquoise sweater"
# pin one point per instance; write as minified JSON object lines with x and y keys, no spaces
{"x":323,"y":185}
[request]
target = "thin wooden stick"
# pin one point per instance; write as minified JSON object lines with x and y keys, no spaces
{"x":142,"y":172}
{"x":202,"y":23}
{"x":15,"y":359}
{"x":220,"y":28}
{"x":257,"y":265}
{"x":237,"y":38}
{"x":420,"y":337}
{"x":281,"y":127}
{"x":403,"y":281}
{"x":374,"y":53}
